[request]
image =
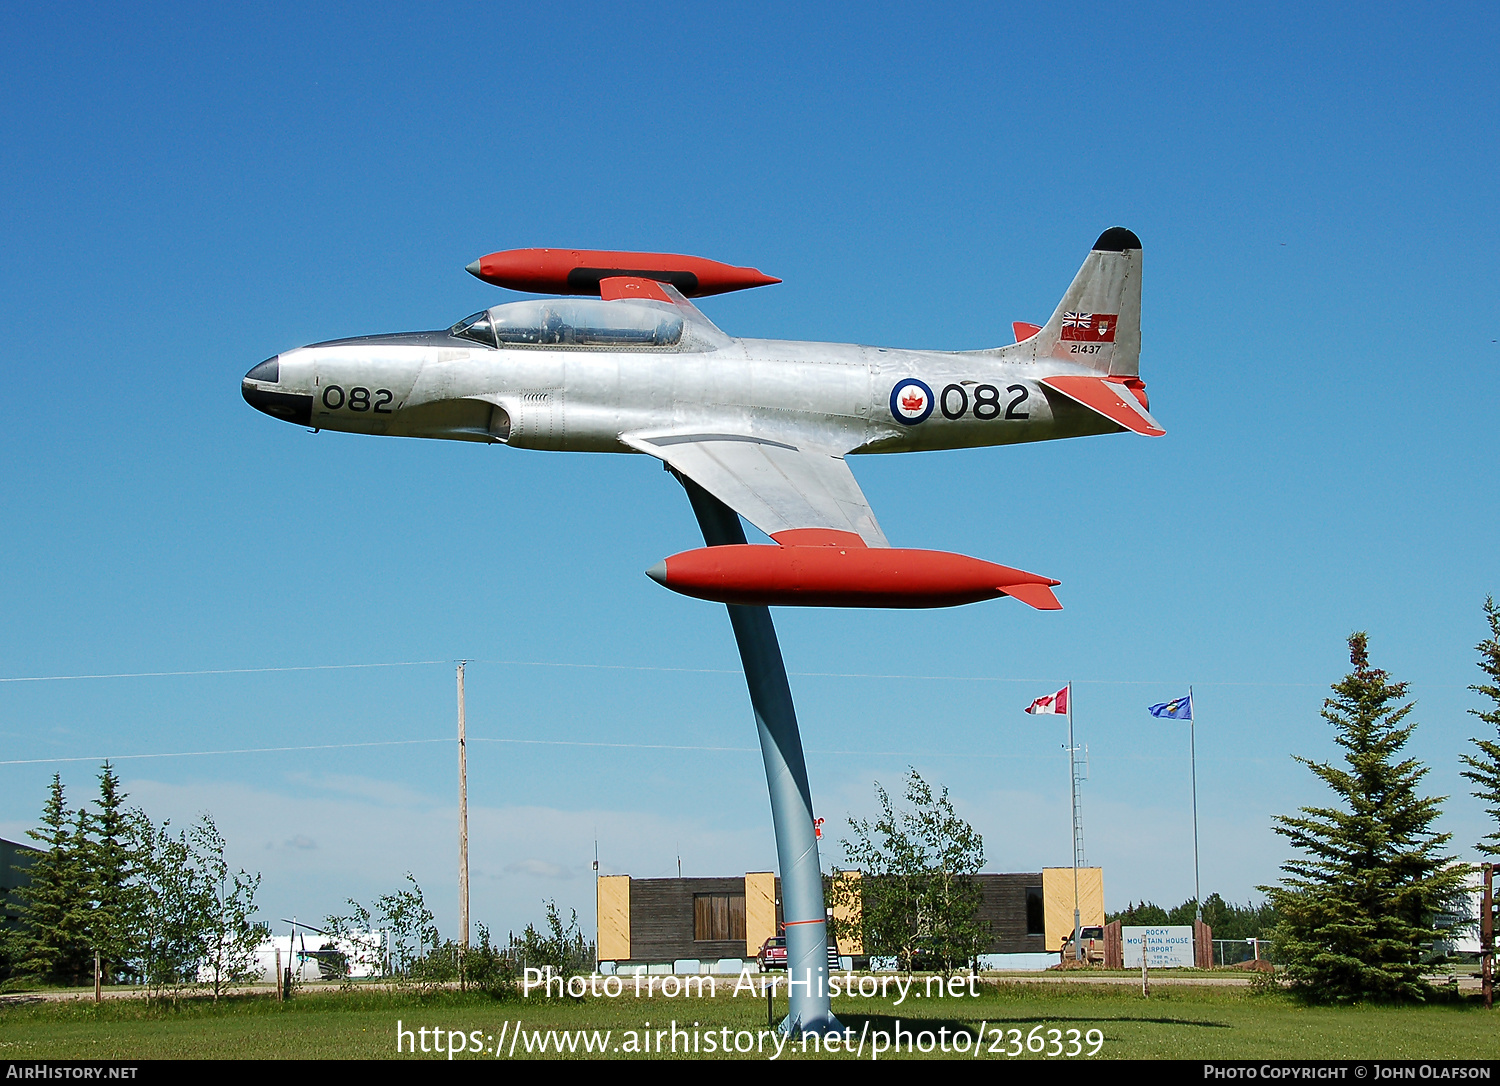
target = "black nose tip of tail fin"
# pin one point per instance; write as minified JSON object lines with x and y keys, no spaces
{"x":1116,"y":240}
{"x":1097,"y":324}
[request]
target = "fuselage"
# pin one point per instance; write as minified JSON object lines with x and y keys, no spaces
{"x":754,"y":428}
{"x":839,"y":397}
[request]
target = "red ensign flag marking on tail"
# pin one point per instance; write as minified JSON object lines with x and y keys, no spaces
{"x":1089,"y":327}
{"x":1056,"y":704}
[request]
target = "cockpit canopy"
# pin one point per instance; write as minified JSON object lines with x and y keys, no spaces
{"x":572,"y":322}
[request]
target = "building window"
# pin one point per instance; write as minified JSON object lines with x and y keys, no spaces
{"x":1036,"y":918}
{"x":718,"y":916}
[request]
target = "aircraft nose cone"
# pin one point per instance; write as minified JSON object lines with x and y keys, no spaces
{"x":268,"y":371}
{"x":472,"y":267}
{"x":287,"y":406}
{"x":658,"y":572}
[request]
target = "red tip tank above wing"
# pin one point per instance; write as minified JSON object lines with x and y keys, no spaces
{"x":578,"y":271}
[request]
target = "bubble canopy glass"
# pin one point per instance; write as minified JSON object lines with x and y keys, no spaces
{"x":572,"y":322}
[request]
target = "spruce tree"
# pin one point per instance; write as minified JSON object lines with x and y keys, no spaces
{"x":1484,"y":769}
{"x":56,"y":905}
{"x":1359,"y":908}
{"x":110,"y":869}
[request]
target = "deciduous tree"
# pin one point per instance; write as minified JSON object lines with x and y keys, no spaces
{"x":230,"y":937}
{"x":917,"y":899}
{"x":410,"y":925}
{"x":562,"y":947}
{"x":167,"y":908}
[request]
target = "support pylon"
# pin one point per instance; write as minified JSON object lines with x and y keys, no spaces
{"x":806,"y":918}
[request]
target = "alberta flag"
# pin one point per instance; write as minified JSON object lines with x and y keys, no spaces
{"x":1179,"y":709}
{"x":1056,"y":704}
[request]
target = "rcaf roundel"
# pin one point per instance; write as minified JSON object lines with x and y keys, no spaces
{"x":911,"y":401}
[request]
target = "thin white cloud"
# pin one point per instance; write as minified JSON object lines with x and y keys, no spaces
{"x":542,"y":869}
{"x":364,"y":846}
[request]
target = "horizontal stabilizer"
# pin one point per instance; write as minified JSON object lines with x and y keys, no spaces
{"x":1110,"y":399}
{"x":1024,"y":330}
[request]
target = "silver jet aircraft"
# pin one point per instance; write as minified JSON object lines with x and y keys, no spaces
{"x":753,"y":428}
{"x":764,"y":426}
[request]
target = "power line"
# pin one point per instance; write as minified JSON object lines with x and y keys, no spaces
{"x":211,"y":671}
{"x":518,"y":742}
{"x":207,"y":753}
{"x":644,"y":667}
{"x":751,"y":750}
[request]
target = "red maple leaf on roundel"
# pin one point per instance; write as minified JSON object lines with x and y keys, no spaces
{"x":913,"y":400}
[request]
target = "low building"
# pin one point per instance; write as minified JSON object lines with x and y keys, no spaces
{"x":15,"y":862}
{"x":718,"y":925}
{"x":359,"y":954}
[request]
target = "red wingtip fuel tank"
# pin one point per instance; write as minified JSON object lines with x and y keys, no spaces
{"x":578,"y":271}
{"x":850,"y":575}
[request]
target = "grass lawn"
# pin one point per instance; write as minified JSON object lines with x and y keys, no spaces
{"x":1177,"y":1023}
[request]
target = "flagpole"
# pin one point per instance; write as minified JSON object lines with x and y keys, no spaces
{"x":1193,"y":763}
{"x":1073,"y":792}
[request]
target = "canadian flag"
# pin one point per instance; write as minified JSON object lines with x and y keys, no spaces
{"x":1053,"y":704}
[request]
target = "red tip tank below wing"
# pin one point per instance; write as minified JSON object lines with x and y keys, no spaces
{"x":833,"y":576}
{"x":579,"y":271}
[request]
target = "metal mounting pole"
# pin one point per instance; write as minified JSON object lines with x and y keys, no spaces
{"x":1077,"y":829}
{"x":806,"y":917}
{"x":1193,"y":762}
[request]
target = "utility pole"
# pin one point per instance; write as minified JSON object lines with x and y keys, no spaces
{"x":463,"y":821}
{"x":596,"y":899}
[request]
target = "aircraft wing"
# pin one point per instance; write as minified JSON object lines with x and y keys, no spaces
{"x":775,"y":486}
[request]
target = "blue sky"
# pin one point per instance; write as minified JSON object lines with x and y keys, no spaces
{"x":185,"y":192}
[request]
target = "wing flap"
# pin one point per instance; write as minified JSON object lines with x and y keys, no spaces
{"x":775,"y":486}
{"x":1109,"y":398}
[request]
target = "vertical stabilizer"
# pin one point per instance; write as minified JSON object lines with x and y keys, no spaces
{"x":1098,"y":321}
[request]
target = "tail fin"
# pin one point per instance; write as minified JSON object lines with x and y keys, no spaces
{"x":1098,"y":321}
